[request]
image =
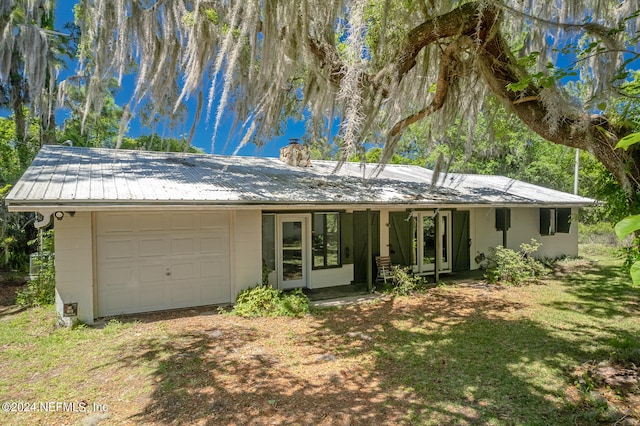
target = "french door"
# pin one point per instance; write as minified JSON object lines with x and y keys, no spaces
{"x":293,"y":251}
{"x":424,"y":241}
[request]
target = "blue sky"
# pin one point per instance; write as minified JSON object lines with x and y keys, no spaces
{"x":204,"y":129}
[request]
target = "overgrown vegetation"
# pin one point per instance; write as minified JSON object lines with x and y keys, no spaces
{"x":599,"y":232}
{"x":15,"y":233}
{"x":41,"y":290}
{"x":512,"y":267}
{"x":630,"y":254}
{"x":266,"y":301}
{"x":404,"y":282}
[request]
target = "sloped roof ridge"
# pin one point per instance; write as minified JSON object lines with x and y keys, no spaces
{"x":124,"y":151}
{"x":81,"y":174}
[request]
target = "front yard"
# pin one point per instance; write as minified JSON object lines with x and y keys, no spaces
{"x":458,"y":354}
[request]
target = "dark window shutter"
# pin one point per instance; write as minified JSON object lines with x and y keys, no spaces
{"x":399,"y":238}
{"x":545,"y":222}
{"x":500,"y":219}
{"x":563,"y":220}
{"x":346,"y":238}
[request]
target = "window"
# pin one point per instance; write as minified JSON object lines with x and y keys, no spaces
{"x":423,"y":231}
{"x":269,"y":241}
{"x":547,"y":221}
{"x":326,"y":240}
{"x":563,"y":221}
{"x":555,"y":220}
{"x":503,"y":215}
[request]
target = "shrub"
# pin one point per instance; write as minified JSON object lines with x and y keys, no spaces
{"x":266,"y":301}
{"x":630,"y":254}
{"x":42,"y":289}
{"x":404,"y":283}
{"x":514,"y":267}
{"x":265,"y":274}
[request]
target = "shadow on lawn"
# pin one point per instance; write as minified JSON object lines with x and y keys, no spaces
{"x":218,"y":376}
{"x":445,"y":360}
{"x":461,"y":362}
{"x":601,"y":292}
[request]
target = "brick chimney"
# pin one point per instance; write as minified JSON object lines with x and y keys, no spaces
{"x":295,"y":154}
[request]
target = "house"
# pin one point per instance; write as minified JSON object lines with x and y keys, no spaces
{"x":143,"y":231}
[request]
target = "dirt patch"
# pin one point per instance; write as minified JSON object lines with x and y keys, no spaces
{"x":10,"y":283}
{"x":610,"y":384}
{"x":570,"y":266}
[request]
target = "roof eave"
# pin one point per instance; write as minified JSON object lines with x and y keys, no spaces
{"x":38,"y":206}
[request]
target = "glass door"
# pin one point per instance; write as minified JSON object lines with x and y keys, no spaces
{"x":293,"y":251}
{"x":424,"y":241}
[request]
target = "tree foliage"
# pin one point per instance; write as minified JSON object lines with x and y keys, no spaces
{"x":380,"y":66}
{"x":93,"y":128}
{"x":15,"y":231}
{"x":30,"y":53}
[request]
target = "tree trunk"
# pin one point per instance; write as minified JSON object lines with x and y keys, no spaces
{"x":499,"y":68}
{"x":592,"y":133}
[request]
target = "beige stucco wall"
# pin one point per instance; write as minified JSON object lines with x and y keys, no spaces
{"x":525,"y":225}
{"x":246,"y":246}
{"x":74,"y":265}
{"x":75,"y":251}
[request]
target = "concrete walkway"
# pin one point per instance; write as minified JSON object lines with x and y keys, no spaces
{"x":339,"y":296}
{"x":350,"y":300}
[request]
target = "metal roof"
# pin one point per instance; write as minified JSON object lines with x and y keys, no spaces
{"x":62,"y":175}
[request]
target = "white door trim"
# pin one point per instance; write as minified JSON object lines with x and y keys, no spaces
{"x":444,"y":229}
{"x":305,"y":220}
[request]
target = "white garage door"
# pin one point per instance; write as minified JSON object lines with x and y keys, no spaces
{"x":151,"y":261}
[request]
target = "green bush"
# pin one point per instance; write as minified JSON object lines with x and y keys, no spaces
{"x":266,"y":301}
{"x":42,"y":289}
{"x":630,"y":255}
{"x":404,"y":283}
{"x":514,"y":267}
{"x":265,"y":274}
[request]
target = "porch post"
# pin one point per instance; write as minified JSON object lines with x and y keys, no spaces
{"x":436,"y":259}
{"x":369,"y":253}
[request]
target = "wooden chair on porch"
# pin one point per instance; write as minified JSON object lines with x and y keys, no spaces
{"x":384,"y":269}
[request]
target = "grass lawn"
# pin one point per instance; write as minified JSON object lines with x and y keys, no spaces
{"x":458,"y":354}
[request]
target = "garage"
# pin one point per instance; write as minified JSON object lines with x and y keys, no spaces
{"x":150,"y":261}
